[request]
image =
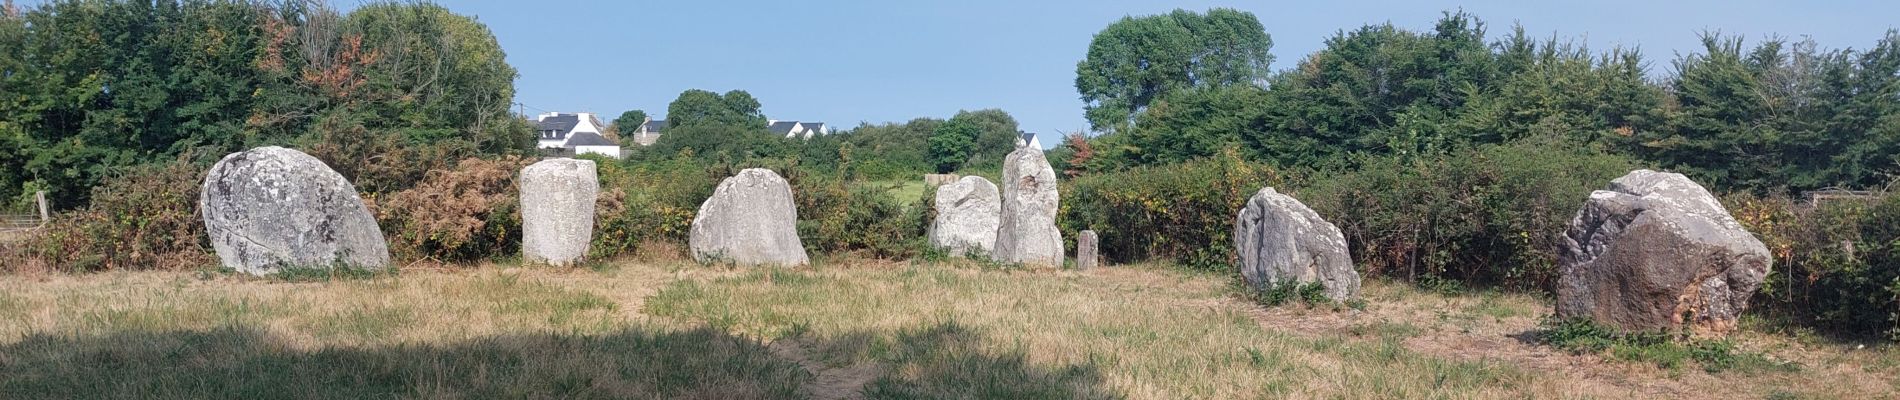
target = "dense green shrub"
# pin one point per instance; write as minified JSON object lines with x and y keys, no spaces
{"x":835,"y":216}
{"x":1492,"y":215}
{"x":1182,"y":212}
{"x":1837,"y":265}
{"x":642,"y":202}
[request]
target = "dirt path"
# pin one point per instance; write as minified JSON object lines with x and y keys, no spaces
{"x":830,"y":383}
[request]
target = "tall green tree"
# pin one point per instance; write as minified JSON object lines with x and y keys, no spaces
{"x":701,"y":107}
{"x":952,"y":144}
{"x":1137,"y":60}
{"x":437,"y":75}
{"x":1382,"y":90}
{"x":630,"y":121}
{"x":997,"y":133}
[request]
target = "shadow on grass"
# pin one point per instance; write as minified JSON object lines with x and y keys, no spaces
{"x":947,"y":361}
{"x":240,"y":362}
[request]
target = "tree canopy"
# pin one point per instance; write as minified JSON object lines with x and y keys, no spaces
{"x":1138,"y":60}
{"x":701,"y":107}
{"x":93,"y":87}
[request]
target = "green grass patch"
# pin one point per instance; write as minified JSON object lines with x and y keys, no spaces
{"x":315,"y":274}
{"x":1311,"y":294}
{"x":1668,"y":350}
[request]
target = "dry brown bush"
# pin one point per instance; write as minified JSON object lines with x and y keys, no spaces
{"x":145,"y":219}
{"x":466,"y":213}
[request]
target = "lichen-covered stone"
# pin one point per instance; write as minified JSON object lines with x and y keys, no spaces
{"x":968,"y":213}
{"x":749,"y":220}
{"x":1026,"y":233}
{"x":1656,"y":251}
{"x":1087,"y":253}
{"x":1278,"y":240}
{"x":557,"y":210}
{"x":270,"y":208}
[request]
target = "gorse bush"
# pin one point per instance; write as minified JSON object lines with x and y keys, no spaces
{"x":1492,"y":215}
{"x":642,"y":202}
{"x":1182,"y":212}
{"x":1837,"y":264}
{"x":146,"y":218}
{"x":463,"y":214}
{"x":836,"y":216}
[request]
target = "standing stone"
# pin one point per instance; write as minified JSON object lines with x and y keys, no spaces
{"x":1027,"y":233}
{"x":270,"y":208}
{"x":968,"y":213}
{"x":1278,"y":239}
{"x":557,"y":210}
{"x":1657,"y":251}
{"x":1085,"y":250}
{"x":749,"y":220}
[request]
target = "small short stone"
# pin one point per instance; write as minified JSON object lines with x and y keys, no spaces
{"x":968,"y":213}
{"x":1656,"y":251}
{"x":1279,"y":240}
{"x":1085,"y":250}
{"x":557,"y":210}
{"x":749,"y":220}
{"x":1026,"y":233}
{"x":270,"y":208}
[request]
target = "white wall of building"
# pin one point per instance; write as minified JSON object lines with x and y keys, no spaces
{"x":610,"y":151}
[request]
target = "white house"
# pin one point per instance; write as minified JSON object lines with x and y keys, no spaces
{"x":578,"y":132}
{"x":1029,"y":139}
{"x":795,"y":129}
{"x":594,"y":143}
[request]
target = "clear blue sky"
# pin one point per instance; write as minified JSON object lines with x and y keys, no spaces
{"x":843,"y":62}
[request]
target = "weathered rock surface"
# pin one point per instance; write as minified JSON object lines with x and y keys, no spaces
{"x":968,"y":213}
{"x":1026,"y":233}
{"x":557,"y":210}
{"x":1278,"y":239}
{"x":270,"y":208}
{"x":1657,"y":251}
{"x":1086,"y":249}
{"x":750,"y":220}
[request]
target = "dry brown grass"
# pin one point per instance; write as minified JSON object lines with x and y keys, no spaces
{"x":842,"y":329}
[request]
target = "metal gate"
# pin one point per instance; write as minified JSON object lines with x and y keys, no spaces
{"x":26,"y":221}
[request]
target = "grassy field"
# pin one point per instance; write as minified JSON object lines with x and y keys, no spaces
{"x":857,"y":329}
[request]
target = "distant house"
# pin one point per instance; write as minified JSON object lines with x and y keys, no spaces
{"x":1028,"y":139}
{"x":795,"y":129}
{"x":578,"y":133}
{"x":646,"y":133}
{"x":594,"y":143}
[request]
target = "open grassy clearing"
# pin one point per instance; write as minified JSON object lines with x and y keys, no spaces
{"x":841,"y":330}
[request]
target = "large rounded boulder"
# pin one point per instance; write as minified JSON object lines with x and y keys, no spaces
{"x":1026,"y":232}
{"x":270,"y":208}
{"x":968,"y":212}
{"x":1280,"y":241}
{"x":749,"y":220}
{"x":1656,"y":251}
{"x":557,"y":210}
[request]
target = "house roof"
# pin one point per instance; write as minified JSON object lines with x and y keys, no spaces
{"x":654,"y":125}
{"x":561,"y":124}
{"x":782,"y":127}
{"x":589,"y":139}
{"x":814,"y":127}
